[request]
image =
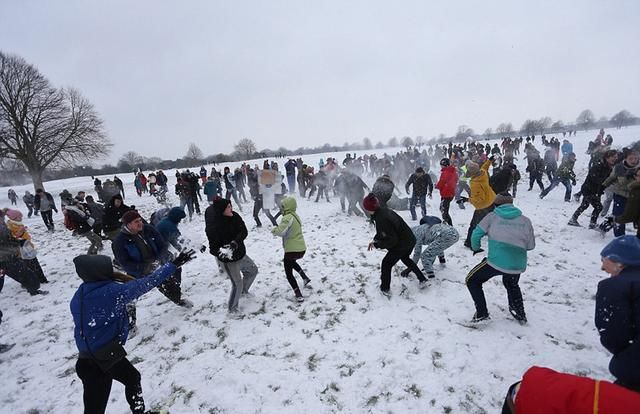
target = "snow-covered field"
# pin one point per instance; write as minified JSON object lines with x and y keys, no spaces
{"x":346,"y":348}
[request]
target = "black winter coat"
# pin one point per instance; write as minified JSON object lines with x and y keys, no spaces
{"x":618,"y":322}
{"x":392,"y":232}
{"x":501,"y":180}
{"x":222,"y":230}
{"x":593,"y":182}
{"x":422,"y":185}
{"x":113,"y":214}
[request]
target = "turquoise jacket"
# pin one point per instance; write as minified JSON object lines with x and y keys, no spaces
{"x":510,"y":236}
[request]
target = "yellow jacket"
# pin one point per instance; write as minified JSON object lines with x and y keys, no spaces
{"x":482,"y":195}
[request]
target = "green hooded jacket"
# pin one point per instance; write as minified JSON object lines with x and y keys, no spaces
{"x":290,"y":227}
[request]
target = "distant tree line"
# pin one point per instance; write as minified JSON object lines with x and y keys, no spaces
{"x":49,"y":133}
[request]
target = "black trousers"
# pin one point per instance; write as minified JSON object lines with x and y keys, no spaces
{"x":391,"y":258}
{"x":47,"y":218}
{"x":589,"y":200}
{"x":97,"y":385}
{"x":257,"y":206}
{"x":482,"y":273}
{"x":444,"y":210}
{"x":478,"y":215}
{"x":291,"y":264}
{"x":34,"y":266}
{"x":535,"y":177}
{"x":19,"y":270}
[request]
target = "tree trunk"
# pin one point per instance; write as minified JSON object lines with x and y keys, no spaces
{"x":36,"y":177}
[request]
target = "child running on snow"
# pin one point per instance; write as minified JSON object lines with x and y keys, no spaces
{"x":290,"y":229}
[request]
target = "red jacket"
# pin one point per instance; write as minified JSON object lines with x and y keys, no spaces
{"x":448,"y":181}
{"x":544,"y":391}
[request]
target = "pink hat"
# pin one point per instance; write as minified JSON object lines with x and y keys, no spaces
{"x":14,"y":215}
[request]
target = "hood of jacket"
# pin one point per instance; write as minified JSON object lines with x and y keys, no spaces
{"x":289,"y":205}
{"x":176,"y":214}
{"x":94,"y":268}
{"x":507,"y":211}
{"x":219,"y":205}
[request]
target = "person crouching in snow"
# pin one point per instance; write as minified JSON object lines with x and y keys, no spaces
{"x":226,"y":232}
{"x":102,"y":327}
{"x":290,"y":229}
{"x":437,"y":237}
{"x":393,"y":234}
{"x":510,"y":237}
{"x":617,"y":309}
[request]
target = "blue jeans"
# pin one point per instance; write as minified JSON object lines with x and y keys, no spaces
{"x":619,"y":203}
{"x":292,"y":183}
{"x":567,"y":185}
{"x":423,"y":205}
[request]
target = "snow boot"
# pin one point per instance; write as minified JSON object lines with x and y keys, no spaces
{"x":477,"y":318}
{"x":574,"y":222}
{"x":441,"y":259}
{"x":522,"y":319}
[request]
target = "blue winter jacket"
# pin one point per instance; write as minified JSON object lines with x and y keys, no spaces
{"x":212,"y":188}
{"x":168,"y":227}
{"x":99,"y":311}
{"x":510,"y":236}
{"x":129,"y":256}
{"x":566,"y":148}
{"x":618,"y":321}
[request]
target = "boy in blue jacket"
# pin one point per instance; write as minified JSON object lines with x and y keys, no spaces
{"x":102,"y":327}
{"x":510,"y":237}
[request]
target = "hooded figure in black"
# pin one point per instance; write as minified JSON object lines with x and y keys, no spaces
{"x":113,"y":212}
{"x":226,"y":232}
{"x":393,"y":234}
{"x":101,"y":328}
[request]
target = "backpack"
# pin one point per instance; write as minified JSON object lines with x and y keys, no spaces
{"x":69,"y":223}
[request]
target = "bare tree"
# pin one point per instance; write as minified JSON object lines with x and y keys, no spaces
{"x":557,"y":126}
{"x":393,"y":142}
{"x":505,"y":128}
{"x":42,"y":126}
{"x":194,"y":153}
{"x":246,"y":147}
{"x":488,"y":132}
{"x":131,"y":157}
{"x":407,"y":142}
{"x":543,"y":123}
{"x":366,"y":143}
{"x":622,"y":118}
{"x":586,"y":119}
{"x":464,"y":132}
{"x":529,"y":127}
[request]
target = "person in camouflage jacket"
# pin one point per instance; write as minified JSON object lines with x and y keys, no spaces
{"x":564,"y":175}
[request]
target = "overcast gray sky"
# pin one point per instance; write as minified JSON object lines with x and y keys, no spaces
{"x":302,"y":73}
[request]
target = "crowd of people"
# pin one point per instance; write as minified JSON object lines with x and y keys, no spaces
{"x":151,"y":252}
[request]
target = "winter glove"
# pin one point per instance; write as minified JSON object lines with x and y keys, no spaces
{"x":478,"y":251}
{"x":203,"y":248}
{"x":573,"y":182}
{"x":430,"y":195}
{"x":184,"y":257}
